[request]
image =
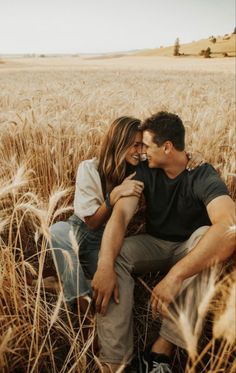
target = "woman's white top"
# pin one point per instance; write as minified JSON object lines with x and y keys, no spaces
{"x":88,"y":189}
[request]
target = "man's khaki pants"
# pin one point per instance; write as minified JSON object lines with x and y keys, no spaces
{"x":139,"y":254}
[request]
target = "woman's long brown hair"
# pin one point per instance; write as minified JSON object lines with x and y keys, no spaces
{"x":112,"y":164}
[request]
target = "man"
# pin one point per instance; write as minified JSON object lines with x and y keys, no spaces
{"x":188,"y":216}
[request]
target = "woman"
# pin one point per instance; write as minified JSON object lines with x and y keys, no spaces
{"x":99,"y":184}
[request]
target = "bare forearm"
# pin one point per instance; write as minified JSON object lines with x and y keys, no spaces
{"x":129,"y":188}
{"x":215,"y":246}
{"x":112,"y":241}
{"x":105,"y":280}
{"x":115,"y":231}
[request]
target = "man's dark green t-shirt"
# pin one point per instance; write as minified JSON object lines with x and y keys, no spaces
{"x":177,"y":207}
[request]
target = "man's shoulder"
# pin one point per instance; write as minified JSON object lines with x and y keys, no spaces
{"x":143,"y":172}
{"x":204,"y":174}
{"x":207,"y":183}
{"x":203,"y":171}
{"x":143,"y":167}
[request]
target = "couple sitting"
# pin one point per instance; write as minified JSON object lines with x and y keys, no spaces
{"x":188,"y":214}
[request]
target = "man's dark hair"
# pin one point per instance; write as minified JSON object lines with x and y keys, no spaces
{"x":166,"y":127}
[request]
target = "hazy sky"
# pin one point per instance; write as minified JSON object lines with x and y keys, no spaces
{"x":83,"y":26}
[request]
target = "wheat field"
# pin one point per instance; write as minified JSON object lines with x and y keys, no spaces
{"x":51,"y":118}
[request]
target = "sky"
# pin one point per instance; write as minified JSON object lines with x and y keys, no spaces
{"x":101,"y":26}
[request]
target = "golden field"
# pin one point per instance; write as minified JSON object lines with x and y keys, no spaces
{"x":53,"y":114}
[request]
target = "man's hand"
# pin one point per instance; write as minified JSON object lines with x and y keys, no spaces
{"x":104,"y":284}
{"x":165,"y":293}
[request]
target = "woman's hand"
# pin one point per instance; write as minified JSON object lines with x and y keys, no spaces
{"x":194,"y":160}
{"x":127,"y":188}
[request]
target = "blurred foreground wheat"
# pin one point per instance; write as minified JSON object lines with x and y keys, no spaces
{"x":49,"y":122}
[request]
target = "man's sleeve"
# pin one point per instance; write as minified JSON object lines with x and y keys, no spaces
{"x":209,"y":185}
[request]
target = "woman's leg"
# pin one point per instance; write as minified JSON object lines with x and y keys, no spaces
{"x":66,"y":261}
{"x":89,"y":250}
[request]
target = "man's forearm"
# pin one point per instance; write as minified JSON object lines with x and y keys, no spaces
{"x":104,"y":282}
{"x":114,"y":233}
{"x":112,"y":241}
{"x":215,"y":246}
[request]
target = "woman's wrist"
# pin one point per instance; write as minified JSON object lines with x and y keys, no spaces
{"x":114,"y":196}
{"x":108,"y":204}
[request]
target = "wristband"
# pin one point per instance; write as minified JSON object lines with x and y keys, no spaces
{"x":108,"y":202}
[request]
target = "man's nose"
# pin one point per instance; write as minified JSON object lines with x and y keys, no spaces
{"x":143,"y":153}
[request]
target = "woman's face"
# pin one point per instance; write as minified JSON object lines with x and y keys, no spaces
{"x":133,"y":153}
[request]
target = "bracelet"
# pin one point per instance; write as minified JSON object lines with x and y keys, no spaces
{"x":108,"y":202}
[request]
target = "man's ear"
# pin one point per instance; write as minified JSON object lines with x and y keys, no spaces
{"x":168,"y":146}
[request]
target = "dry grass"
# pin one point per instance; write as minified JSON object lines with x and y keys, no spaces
{"x":122,"y":64}
{"x":49,"y":122}
{"x":193,"y":49}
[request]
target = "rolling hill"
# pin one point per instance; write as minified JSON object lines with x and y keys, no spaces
{"x":223,"y":44}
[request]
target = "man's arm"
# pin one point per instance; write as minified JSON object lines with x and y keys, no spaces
{"x":105,"y":281}
{"x":215,"y":246}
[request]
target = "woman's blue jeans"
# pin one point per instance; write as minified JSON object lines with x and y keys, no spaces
{"x":75,"y":264}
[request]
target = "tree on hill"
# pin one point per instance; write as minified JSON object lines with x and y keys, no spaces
{"x":176,"y":47}
{"x":234,"y":31}
{"x":207,"y":53}
{"x":213,"y":40}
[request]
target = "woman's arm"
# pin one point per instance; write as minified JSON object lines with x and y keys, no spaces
{"x":100,"y":217}
{"x":127,"y":188}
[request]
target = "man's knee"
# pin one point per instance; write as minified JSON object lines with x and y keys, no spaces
{"x":128,"y":250}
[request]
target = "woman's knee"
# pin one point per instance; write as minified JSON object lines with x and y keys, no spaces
{"x":59,"y":232}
